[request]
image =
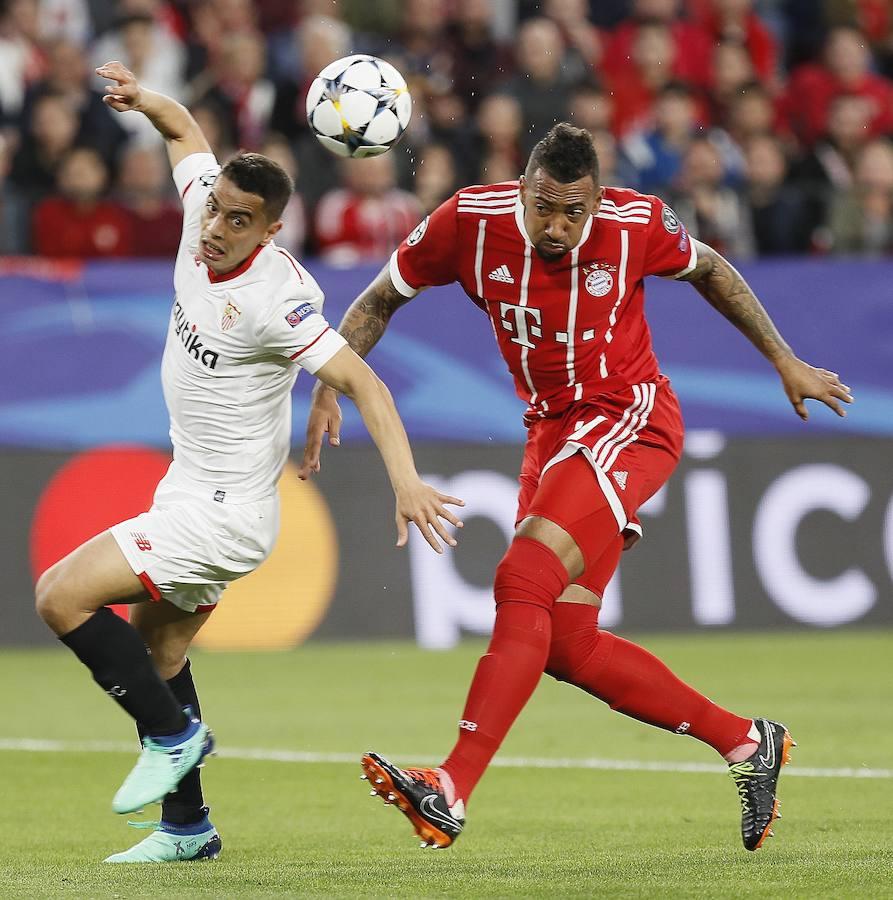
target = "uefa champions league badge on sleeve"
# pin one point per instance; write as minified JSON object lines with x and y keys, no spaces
{"x":299,"y":313}
{"x":418,"y":232}
{"x":671,"y":220}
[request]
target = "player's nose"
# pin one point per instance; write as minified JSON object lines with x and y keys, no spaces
{"x":215,"y":226}
{"x":556,"y":230}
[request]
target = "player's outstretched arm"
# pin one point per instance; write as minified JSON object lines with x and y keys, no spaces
{"x":363,"y":324}
{"x":417,"y":502}
{"x":173,"y":121}
{"x":717,"y":280}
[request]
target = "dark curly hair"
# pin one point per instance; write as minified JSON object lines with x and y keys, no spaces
{"x":566,"y":154}
{"x":256,"y":174}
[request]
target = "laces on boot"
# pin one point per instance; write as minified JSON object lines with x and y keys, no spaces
{"x":428,"y":776}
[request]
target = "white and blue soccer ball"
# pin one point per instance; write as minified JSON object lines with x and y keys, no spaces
{"x":359,"y":106}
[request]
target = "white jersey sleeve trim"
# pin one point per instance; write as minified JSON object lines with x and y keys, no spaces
{"x":190,"y":167}
{"x":319,"y":351}
{"x":692,"y":260}
{"x":399,"y":281}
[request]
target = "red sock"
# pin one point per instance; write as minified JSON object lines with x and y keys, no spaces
{"x":503,"y":682}
{"x":633,"y":681}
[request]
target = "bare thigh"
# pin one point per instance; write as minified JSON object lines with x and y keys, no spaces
{"x":90,"y":577}
{"x":168,"y":632}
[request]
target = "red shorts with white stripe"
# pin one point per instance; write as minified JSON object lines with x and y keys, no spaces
{"x":632,"y":440}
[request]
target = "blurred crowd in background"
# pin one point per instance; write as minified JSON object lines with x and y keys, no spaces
{"x":767,"y":124}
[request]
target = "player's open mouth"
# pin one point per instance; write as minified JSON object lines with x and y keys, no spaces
{"x":212,"y":251}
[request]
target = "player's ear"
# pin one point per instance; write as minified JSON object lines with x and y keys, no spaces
{"x":271,"y":231}
{"x":522,"y":189}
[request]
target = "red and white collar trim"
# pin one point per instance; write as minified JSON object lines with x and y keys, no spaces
{"x":240,"y":269}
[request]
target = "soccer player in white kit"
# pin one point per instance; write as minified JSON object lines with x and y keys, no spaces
{"x":246,"y":317}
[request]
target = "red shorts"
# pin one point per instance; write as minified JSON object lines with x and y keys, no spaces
{"x":632,"y":441}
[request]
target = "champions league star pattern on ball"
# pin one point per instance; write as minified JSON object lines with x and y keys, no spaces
{"x":359,"y":106}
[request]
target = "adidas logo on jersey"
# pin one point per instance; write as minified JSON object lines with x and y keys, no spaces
{"x":501,"y":273}
{"x":620,"y":478}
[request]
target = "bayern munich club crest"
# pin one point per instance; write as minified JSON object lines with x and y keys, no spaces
{"x":599,"y":282}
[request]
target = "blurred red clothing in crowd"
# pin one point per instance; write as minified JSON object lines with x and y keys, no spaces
{"x":65,"y":228}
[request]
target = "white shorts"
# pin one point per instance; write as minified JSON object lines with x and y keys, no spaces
{"x":188,"y":548}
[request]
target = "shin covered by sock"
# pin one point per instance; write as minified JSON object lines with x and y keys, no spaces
{"x":635,"y":682}
{"x":117,"y":658}
{"x":528,"y":581}
{"x":185,"y":805}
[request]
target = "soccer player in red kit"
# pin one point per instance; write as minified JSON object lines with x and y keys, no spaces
{"x":558,"y":263}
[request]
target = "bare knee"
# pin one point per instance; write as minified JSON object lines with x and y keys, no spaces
{"x":50,"y":599}
{"x":576,"y":593}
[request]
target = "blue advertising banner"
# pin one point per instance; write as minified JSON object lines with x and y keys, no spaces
{"x":82,"y":347}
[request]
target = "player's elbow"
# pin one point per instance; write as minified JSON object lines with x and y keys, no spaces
{"x":361,"y":383}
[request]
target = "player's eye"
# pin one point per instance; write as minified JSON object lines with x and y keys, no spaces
{"x":540,"y":208}
{"x":237,"y":222}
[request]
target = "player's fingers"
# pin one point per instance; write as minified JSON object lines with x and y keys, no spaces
{"x":450,"y":516}
{"x":800,"y":408}
{"x":334,"y":432}
{"x":402,"y":531}
{"x":446,"y":498}
{"x":833,"y":404}
{"x":422,"y":524}
{"x":440,"y":528}
{"x":842,"y":393}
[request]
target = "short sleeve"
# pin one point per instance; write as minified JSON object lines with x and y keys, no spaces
{"x":428,"y":256}
{"x":297,"y":330}
{"x":194,"y":177}
{"x":670,"y":250}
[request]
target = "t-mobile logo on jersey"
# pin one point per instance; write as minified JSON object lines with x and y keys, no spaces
{"x":524,"y":321}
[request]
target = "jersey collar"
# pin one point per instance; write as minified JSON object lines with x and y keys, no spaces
{"x":519,"y":221}
{"x":240,"y":269}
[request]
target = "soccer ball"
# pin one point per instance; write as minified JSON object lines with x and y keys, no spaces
{"x":358,"y":106}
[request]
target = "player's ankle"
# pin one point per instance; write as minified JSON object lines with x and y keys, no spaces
{"x":746,"y":748}
{"x":449,"y":788}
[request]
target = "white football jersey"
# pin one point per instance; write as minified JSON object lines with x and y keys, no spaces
{"x":234,"y":348}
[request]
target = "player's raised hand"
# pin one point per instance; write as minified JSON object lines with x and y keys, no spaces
{"x":124,"y":94}
{"x":324,"y":418}
{"x":804,"y":382}
{"x":425,"y":507}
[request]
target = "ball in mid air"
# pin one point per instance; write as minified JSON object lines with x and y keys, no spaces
{"x":358,"y":106}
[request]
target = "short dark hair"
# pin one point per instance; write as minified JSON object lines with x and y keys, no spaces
{"x":256,"y":174}
{"x":566,"y":154}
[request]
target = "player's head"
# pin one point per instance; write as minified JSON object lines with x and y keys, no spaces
{"x":243,"y":210}
{"x":560,"y":190}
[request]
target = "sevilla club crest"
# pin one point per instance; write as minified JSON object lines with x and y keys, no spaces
{"x":230,"y":316}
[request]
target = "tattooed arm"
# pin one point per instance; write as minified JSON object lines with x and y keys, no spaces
{"x":368,"y":316}
{"x":726,"y":291}
{"x":362,"y":326}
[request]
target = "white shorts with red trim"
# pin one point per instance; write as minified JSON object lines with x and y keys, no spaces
{"x":188,"y":549}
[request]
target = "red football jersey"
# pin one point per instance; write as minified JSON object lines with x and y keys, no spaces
{"x":569,"y":329}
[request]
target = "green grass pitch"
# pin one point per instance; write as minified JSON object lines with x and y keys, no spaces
{"x":308,"y":828}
